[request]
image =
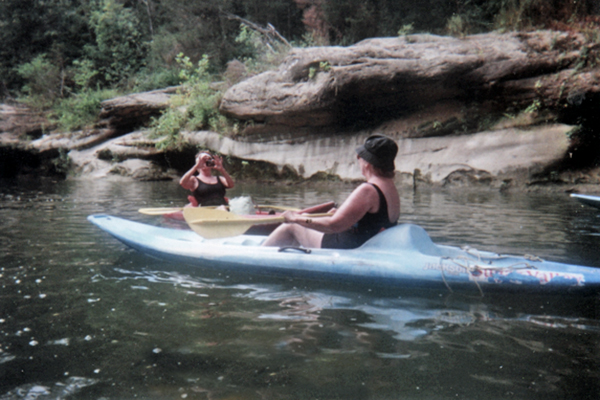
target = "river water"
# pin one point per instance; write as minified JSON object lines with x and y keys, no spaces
{"x":84,"y":317}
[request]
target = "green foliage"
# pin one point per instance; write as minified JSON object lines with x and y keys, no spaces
{"x":257,"y":53}
{"x":152,"y":79}
{"x":79,"y":110}
{"x":457,"y":26}
{"x":199,"y":100}
{"x":117,"y":42}
{"x":43,"y":81}
{"x":323,"y":66}
{"x":84,"y":73}
{"x":526,"y":14}
{"x":119,"y":50}
{"x":168,"y":127}
{"x":406,"y":30}
{"x":535,"y":106}
{"x":187,"y":71}
{"x":29,"y":28}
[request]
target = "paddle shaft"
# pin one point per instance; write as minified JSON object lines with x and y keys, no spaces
{"x":252,"y":221}
{"x":169,"y":210}
{"x":212,"y":224}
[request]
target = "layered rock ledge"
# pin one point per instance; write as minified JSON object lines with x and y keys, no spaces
{"x":494,"y":109}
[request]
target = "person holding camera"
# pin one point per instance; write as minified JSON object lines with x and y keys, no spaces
{"x":207,"y":189}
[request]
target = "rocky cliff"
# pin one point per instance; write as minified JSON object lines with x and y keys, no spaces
{"x":493,"y":109}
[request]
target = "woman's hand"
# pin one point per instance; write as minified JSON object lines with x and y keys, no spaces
{"x":200,"y":162}
{"x":290,"y":216}
{"x":218,"y":163}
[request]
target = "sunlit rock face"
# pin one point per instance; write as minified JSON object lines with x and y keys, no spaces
{"x":503,"y":152}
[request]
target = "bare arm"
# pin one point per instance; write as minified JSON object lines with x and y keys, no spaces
{"x":229,"y":183}
{"x":362,"y":200}
{"x":188,"y":181}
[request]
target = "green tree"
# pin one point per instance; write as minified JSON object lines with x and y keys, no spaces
{"x":119,"y":49}
{"x":43,"y":81}
{"x":28,"y":28}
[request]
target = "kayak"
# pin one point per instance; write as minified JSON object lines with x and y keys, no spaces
{"x":402,"y":256}
{"x":588,"y":200}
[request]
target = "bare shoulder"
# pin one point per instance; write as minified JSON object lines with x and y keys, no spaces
{"x":365,"y":189}
{"x":363,"y":199}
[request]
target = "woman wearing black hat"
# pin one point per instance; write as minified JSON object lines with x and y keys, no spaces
{"x":370,"y":208}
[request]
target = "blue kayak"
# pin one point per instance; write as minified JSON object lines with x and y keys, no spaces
{"x":588,"y":200}
{"x":402,"y":256}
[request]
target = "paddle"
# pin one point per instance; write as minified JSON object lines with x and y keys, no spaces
{"x":212,"y":224}
{"x":169,"y":210}
{"x":160,"y":210}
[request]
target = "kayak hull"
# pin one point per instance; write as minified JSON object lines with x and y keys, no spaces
{"x":402,"y":256}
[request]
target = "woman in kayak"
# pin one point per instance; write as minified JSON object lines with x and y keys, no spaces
{"x":207,"y":189}
{"x":370,"y":208}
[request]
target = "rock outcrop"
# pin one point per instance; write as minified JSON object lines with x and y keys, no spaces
{"x":492,"y":109}
{"x":385,"y":79}
{"x":127,"y":113}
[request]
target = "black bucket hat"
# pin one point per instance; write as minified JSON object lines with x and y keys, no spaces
{"x":380,"y":151}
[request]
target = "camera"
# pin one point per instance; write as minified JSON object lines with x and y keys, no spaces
{"x":210,"y":163}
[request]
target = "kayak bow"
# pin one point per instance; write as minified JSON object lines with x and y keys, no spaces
{"x":588,"y":200}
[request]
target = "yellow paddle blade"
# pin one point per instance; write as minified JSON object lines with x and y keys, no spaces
{"x":159,"y":211}
{"x":212,"y":224}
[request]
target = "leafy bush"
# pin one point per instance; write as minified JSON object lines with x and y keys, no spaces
{"x":257,"y":52}
{"x":457,"y":26}
{"x":160,"y":78}
{"x":119,"y":50}
{"x":79,"y":110}
{"x":168,"y":127}
{"x":194,"y":107}
{"x":43,"y":82}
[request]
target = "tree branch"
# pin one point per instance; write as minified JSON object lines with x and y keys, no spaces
{"x":269,"y":31}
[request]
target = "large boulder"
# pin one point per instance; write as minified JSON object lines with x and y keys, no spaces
{"x":18,"y":122}
{"x":325,"y":88}
{"x":126,"y":113}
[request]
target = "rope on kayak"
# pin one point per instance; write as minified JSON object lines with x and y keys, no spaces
{"x":477,"y":253}
{"x":475,"y":269}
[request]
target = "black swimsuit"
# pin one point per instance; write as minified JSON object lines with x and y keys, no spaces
{"x":367,"y":227}
{"x":207,"y":194}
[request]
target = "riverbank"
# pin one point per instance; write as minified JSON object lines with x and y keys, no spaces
{"x":521,"y":115}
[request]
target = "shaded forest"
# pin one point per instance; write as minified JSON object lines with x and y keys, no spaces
{"x":68,"y":55}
